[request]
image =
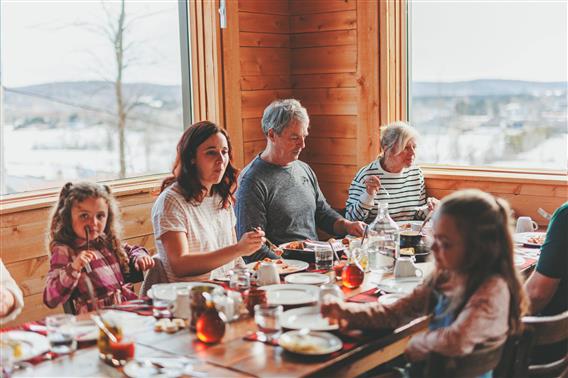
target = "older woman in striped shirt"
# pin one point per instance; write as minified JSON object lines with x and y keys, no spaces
{"x":392,"y":178}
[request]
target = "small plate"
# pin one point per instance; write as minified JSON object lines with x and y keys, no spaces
{"x":291,"y":294}
{"x":519,"y":260}
{"x":414,"y":225}
{"x":387,"y":299}
{"x":306,"y":317}
{"x":399,"y":285}
{"x":172,"y":367}
{"x":307,"y":278}
{"x":523,"y":238}
{"x":311,"y":344}
{"x":83,"y":330}
{"x":183,"y":285}
{"x":291,"y":266}
{"x":32,"y":344}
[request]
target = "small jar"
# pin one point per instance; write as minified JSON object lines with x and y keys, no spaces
{"x":254,"y":297}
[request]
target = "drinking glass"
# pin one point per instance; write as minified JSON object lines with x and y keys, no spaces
{"x":60,"y":333}
{"x":163,"y":298}
{"x":267,"y":318}
{"x":330,"y":290}
{"x":239,"y":278}
{"x":324,"y":258}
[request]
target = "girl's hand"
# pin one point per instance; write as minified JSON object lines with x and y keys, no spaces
{"x":251,"y":242}
{"x":373,"y":184}
{"x":84,"y":258}
{"x":7,"y":302}
{"x":432,"y":203}
{"x":144,"y":263}
{"x":331,"y":309}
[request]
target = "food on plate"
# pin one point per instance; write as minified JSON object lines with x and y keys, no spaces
{"x":170,"y":325}
{"x":279,"y":263}
{"x":303,"y":344}
{"x":15,"y":345}
{"x":537,"y":239}
{"x":296,"y":245}
{"x":406,"y":226}
{"x":345,"y":242}
{"x":407,"y":251}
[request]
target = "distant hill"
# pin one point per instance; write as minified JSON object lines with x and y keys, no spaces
{"x":99,"y":93}
{"x":484,"y":88}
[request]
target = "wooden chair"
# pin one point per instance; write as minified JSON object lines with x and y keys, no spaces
{"x":472,"y":365}
{"x":539,"y":331}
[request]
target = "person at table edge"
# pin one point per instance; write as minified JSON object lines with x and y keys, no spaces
{"x":280,"y":193}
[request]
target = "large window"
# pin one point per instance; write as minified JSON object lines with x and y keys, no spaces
{"x":90,"y":90}
{"x":489,"y":83}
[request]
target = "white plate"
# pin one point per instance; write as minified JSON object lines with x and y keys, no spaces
{"x":523,"y":238}
{"x":183,"y":285}
{"x":293,"y":266}
{"x":172,"y":367}
{"x":83,"y":330}
{"x":307,"y":278}
{"x":414,"y":225}
{"x":387,"y":299}
{"x":291,"y":294}
{"x":519,"y":260}
{"x":32,"y":344}
{"x":311,"y":344}
{"x":310,"y":245}
{"x":306,"y":317}
{"x":399,"y":285}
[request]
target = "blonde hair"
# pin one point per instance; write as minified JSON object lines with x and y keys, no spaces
{"x":61,"y":224}
{"x":395,"y":136}
{"x":485,"y":225}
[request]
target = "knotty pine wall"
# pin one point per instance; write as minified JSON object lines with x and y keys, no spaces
{"x":306,"y":50}
{"x":23,"y":233}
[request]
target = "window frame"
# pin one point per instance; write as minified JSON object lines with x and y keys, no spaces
{"x":489,"y":172}
{"x":189,"y":28}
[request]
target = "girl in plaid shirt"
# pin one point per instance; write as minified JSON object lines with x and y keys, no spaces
{"x":88,"y":211}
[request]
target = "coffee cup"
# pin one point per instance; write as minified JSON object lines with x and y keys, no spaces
{"x":405,"y":268}
{"x":526,"y":224}
{"x":267,"y":274}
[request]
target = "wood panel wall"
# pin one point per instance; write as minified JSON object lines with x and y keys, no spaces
{"x":325,"y":54}
{"x":23,"y":233}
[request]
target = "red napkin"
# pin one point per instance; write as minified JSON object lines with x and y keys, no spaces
{"x":368,"y":296}
{"x":255,"y":336}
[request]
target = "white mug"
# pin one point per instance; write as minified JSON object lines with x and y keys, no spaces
{"x":526,"y":224}
{"x":267,"y":274}
{"x":404,"y":267}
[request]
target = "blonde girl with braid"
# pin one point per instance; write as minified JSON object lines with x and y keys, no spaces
{"x":84,"y":242}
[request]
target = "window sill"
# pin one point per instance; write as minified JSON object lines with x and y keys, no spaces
{"x":495,"y":175}
{"x":46,"y":198}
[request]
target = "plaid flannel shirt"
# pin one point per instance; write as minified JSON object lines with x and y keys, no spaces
{"x":64,"y":283}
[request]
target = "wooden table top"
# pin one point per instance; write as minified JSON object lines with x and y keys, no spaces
{"x":234,"y":356}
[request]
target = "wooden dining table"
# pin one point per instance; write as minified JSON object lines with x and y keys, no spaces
{"x":236,"y":356}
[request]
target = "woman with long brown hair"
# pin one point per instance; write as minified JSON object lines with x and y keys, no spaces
{"x":475,"y":294}
{"x":193,"y":218}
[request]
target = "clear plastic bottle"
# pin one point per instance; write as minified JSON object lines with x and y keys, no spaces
{"x":383,"y":241}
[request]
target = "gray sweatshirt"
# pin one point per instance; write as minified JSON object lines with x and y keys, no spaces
{"x":285,"y":201}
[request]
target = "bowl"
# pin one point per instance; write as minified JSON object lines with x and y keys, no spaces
{"x":410,"y":239}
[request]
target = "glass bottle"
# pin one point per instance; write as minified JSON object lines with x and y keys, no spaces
{"x":383,"y":241}
{"x":353,"y":274}
{"x":210,"y":327}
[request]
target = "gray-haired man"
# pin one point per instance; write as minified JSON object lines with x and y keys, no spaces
{"x":280,"y":193}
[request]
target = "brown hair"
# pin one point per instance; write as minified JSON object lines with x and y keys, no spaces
{"x":184,"y":171}
{"x":485,"y":225}
{"x":61,"y":225}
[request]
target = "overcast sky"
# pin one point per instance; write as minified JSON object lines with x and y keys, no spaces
{"x":451,"y":40}
{"x":46,"y":41}
{"x":464,"y":40}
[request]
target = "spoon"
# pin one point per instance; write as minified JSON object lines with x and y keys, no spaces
{"x":425,"y":221}
{"x":88,"y":268}
{"x":103,"y":328}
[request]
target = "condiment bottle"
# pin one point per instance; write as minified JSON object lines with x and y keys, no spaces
{"x":210,"y":326}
